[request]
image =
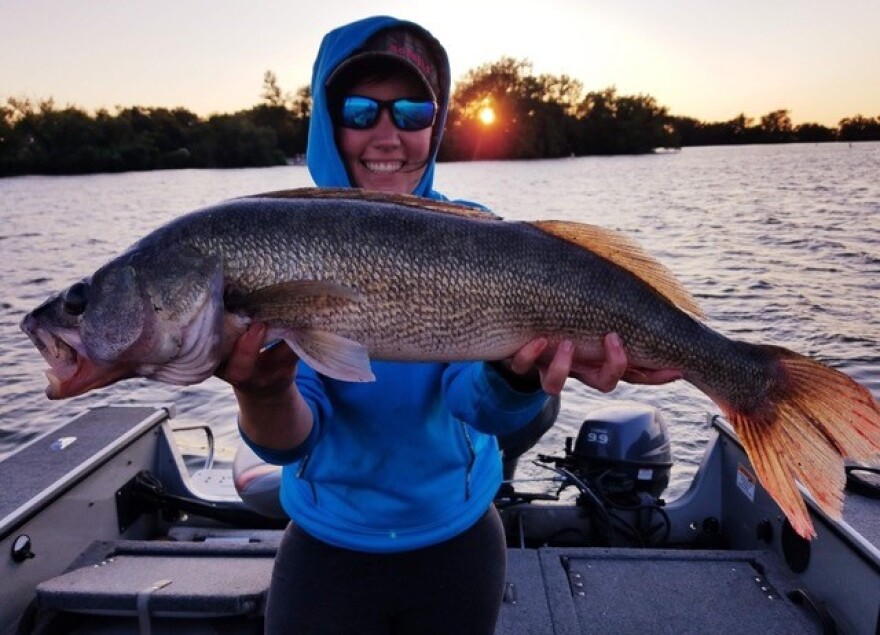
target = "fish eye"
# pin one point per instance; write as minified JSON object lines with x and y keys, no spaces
{"x":73,"y":301}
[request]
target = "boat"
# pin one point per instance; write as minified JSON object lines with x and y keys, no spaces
{"x":111,"y":524}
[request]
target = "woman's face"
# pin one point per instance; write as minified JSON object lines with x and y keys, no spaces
{"x":383,"y":157}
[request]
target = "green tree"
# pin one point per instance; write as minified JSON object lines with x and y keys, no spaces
{"x":533,"y":114}
{"x":630,"y":124}
{"x":598,"y":122}
{"x":814,"y":133}
{"x":859,"y":128}
{"x":286,"y":115}
{"x":740,"y":129}
{"x":10,"y":140}
{"x":776,"y":127}
{"x":684,"y":131}
{"x":537,"y":116}
{"x":301,"y":104}
{"x":495,"y":86}
{"x":272,"y":94}
{"x":232,"y":141}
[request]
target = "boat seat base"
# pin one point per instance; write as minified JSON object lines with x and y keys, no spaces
{"x":155,"y":580}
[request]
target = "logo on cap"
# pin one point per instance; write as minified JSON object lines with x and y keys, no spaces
{"x":410,"y":48}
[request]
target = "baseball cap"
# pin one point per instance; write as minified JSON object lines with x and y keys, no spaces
{"x":410,"y":48}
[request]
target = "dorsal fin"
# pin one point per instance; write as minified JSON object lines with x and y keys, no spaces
{"x":627,"y":254}
{"x":407,"y":200}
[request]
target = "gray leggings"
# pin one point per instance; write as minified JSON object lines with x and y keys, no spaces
{"x":452,"y":587}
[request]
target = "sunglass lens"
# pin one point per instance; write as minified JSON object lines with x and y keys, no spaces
{"x":413,"y":115}
{"x":359,"y":112}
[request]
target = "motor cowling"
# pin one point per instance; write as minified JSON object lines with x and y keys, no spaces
{"x":624,"y":450}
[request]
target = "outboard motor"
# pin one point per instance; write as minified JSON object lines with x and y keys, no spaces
{"x":620,"y":464}
{"x":624,"y":451}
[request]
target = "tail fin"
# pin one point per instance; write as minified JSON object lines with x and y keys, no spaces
{"x":818,"y":417}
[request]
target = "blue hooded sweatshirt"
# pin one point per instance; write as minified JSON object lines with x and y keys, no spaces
{"x":411,"y":459}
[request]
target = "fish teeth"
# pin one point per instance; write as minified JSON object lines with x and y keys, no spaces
{"x":51,"y":346}
{"x":61,"y":350}
{"x":54,"y":381}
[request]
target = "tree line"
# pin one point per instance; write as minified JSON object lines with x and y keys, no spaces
{"x":536,"y":116}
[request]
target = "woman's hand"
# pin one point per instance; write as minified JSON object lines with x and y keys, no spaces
{"x":602,"y":376}
{"x":256,"y":370}
{"x":272,"y":412}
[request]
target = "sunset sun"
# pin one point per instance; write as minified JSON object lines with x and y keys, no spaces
{"x":486,"y":115}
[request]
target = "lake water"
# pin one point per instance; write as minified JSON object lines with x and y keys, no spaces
{"x":780,"y":244}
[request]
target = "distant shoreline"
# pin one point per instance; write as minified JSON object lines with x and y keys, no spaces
{"x":41,"y":138}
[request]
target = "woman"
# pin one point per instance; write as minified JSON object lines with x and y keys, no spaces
{"x":390,"y":484}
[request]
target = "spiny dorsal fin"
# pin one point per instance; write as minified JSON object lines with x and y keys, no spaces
{"x":625,"y":253}
{"x":407,"y":200}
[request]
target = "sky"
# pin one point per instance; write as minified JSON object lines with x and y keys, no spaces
{"x":699,"y":58}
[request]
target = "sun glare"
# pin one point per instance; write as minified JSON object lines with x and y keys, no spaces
{"x":487,"y":115}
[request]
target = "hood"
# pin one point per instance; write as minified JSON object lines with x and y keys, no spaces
{"x":322,"y":157}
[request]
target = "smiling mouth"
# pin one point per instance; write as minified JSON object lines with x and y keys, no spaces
{"x":383,"y":167}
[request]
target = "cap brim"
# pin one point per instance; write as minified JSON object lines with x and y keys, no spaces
{"x":402,"y":62}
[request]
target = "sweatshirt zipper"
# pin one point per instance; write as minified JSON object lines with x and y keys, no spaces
{"x":472,"y":457}
{"x":301,"y":474}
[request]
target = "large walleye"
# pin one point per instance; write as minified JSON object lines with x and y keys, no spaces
{"x":343,"y":276}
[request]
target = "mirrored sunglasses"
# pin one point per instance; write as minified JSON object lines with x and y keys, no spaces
{"x":362,"y":113}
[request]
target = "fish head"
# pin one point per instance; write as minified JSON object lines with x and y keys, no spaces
{"x":145,"y":314}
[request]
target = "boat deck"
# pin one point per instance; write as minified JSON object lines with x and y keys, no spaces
{"x":211,"y":573}
{"x":108,"y":569}
{"x":51,"y":464}
{"x":581,"y":590}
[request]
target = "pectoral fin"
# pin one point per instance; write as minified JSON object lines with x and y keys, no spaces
{"x":294,"y":308}
{"x":331,"y":355}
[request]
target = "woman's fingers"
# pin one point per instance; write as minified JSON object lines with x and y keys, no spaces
{"x":554,"y":375}
{"x":254,"y":366}
{"x":523,"y":361}
{"x":604,"y":377}
{"x":239,"y":366}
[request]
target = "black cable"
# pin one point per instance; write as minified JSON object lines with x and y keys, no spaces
{"x":643,"y":537}
{"x":856,"y":483}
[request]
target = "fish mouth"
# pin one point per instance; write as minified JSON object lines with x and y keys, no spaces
{"x":71,"y":372}
{"x":62,"y":356}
